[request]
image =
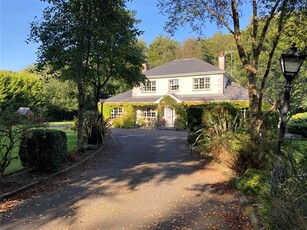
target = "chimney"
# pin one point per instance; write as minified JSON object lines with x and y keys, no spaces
{"x":222,"y":61}
{"x":145,"y":67}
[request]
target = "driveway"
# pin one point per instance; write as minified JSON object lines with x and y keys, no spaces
{"x":144,"y":180}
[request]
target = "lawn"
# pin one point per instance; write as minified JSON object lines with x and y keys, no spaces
{"x":71,"y":145}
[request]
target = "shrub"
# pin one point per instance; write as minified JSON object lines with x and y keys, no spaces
{"x":257,"y":153}
{"x":221,"y":118}
{"x":194,"y":117}
{"x":254,"y":182}
{"x":298,"y":126}
{"x":44,"y":150}
{"x":95,"y":128}
{"x":192,"y":137}
{"x":286,"y":207}
{"x":271,"y":121}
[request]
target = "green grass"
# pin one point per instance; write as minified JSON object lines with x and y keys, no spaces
{"x":59,"y":123}
{"x":15,"y":164}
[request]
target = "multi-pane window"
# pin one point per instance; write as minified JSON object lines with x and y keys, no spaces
{"x":201,"y":83}
{"x":149,"y":112}
{"x":116,"y":112}
{"x":149,"y":86}
{"x":173,"y":85}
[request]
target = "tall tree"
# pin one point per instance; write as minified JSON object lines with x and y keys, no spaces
{"x":191,"y":47}
{"x":83,"y":39}
{"x":162,"y":50}
{"x":227,"y":14}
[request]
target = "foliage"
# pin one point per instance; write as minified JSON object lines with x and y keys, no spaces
{"x":211,"y":48}
{"x":126,"y":120}
{"x":271,"y":121}
{"x":95,"y":128}
{"x":192,"y":136}
{"x":286,"y":206}
{"x":254,"y":182}
{"x":44,"y":150}
{"x":162,"y":50}
{"x":219,"y":119}
{"x":61,"y":99}
{"x":191,"y":48}
{"x":12,"y":127}
{"x":251,"y":153}
{"x":20,"y":90}
{"x":15,"y":164}
{"x":194,"y":117}
{"x":298,"y":126}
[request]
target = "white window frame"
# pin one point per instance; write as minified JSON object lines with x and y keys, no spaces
{"x":203,"y":83}
{"x":149,"y":112}
{"x":116,"y":112}
{"x":173,"y":85}
{"x":149,"y":86}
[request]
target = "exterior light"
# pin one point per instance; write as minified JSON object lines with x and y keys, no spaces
{"x":290,"y":63}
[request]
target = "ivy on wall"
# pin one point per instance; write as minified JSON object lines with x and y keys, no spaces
{"x":128,"y":119}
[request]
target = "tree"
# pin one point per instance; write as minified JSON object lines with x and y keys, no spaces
{"x":190,"y":48}
{"x":83,"y":39}
{"x":213,"y":46}
{"x":162,"y":50}
{"x":266,"y":16}
{"x":20,"y":90}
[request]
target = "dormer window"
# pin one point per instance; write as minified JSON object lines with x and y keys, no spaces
{"x":201,"y":83}
{"x":173,"y":85}
{"x":149,"y":86}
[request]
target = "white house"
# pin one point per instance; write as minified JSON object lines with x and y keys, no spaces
{"x":187,"y":81}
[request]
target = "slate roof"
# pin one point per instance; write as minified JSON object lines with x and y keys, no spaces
{"x":189,"y":66}
{"x":233,"y":92}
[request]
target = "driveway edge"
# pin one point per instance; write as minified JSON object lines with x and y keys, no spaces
{"x":9,"y":194}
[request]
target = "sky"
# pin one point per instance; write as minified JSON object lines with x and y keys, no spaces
{"x":16,"y":15}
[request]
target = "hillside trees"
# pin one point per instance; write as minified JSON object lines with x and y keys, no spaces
{"x":85,"y":40}
{"x":162,"y":50}
{"x":191,"y":48}
{"x":227,"y":14}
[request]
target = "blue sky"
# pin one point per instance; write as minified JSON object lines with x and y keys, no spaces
{"x":16,"y":15}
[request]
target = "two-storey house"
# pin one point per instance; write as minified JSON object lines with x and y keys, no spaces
{"x":186,"y":81}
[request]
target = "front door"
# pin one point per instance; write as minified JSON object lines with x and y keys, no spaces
{"x":169,"y":117}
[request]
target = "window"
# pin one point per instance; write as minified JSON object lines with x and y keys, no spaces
{"x":201,"y":83}
{"x":116,"y":112}
{"x":173,"y":85}
{"x":149,"y":86}
{"x":149,"y":112}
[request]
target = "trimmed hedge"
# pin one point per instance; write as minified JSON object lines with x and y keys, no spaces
{"x":44,"y":149}
{"x":298,"y":126}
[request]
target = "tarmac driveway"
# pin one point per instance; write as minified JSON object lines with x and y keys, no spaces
{"x":149,"y":180}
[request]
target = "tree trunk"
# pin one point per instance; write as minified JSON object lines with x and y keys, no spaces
{"x":81,"y":106}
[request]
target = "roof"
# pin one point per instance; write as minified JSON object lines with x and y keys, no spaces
{"x":23,"y":110}
{"x":233,"y":92}
{"x":179,"y":67}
